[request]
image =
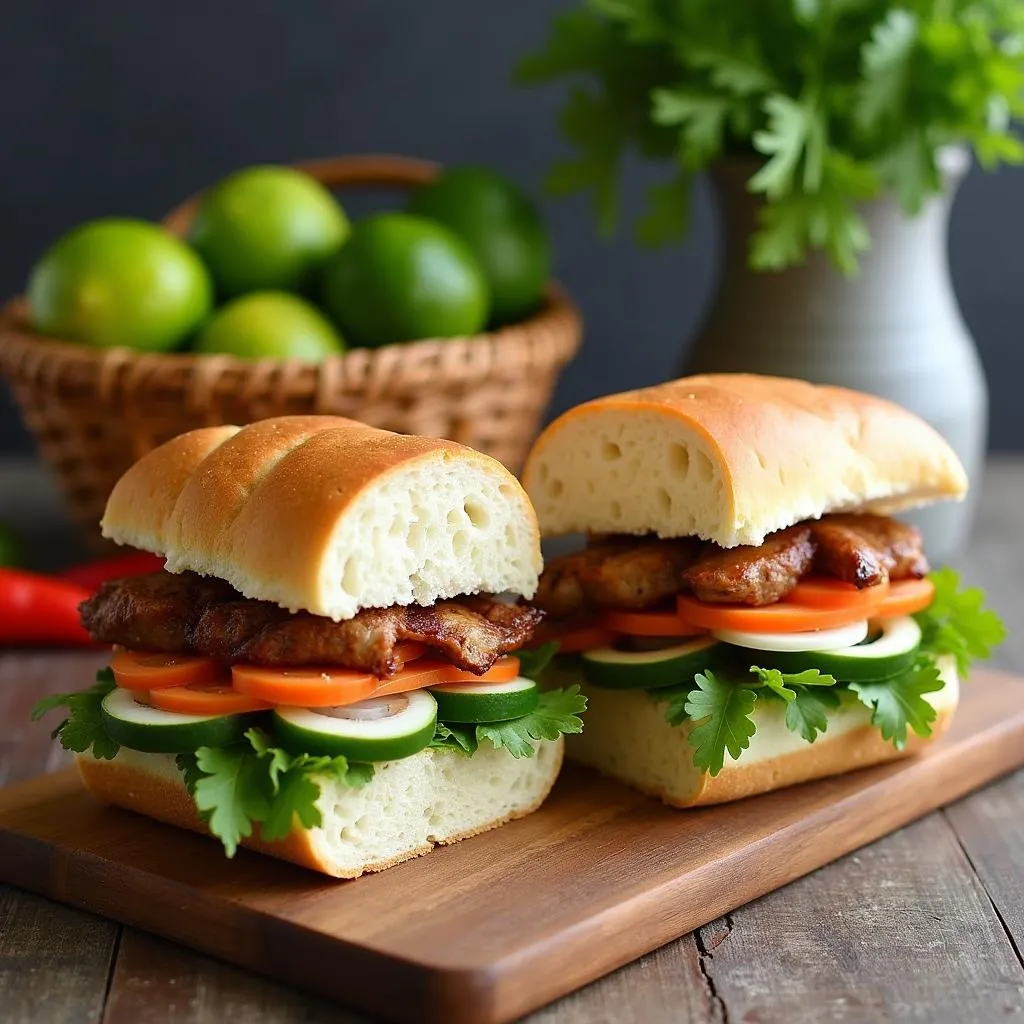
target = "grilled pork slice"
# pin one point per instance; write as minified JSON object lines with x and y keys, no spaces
{"x":632,"y":573}
{"x":186,"y":613}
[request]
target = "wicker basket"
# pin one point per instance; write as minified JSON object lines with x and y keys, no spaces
{"x":94,"y":411}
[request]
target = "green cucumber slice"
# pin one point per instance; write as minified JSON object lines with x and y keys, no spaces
{"x":485,"y":702}
{"x":155,"y":731}
{"x":650,"y":670}
{"x":378,"y":729}
{"x":890,"y":650}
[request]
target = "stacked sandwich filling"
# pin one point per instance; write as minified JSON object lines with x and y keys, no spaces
{"x":835,"y":610}
{"x":329,"y":614}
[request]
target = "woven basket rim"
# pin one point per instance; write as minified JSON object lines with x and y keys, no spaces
{"x":557,"y":310}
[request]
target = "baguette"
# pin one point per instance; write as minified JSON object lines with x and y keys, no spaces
{"x":330,"y":516}
{"x":732,"y":458}
{"x":435,"y":797}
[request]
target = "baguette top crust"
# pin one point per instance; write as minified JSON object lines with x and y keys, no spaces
{"x":732,"y":458}
{"x":328,"y":515}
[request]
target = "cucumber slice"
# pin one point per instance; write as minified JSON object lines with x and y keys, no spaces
{"x":650,"y":670}
{"x":378,"y":729}
{"x":485,"y":702}
{"x":812,"y":640}
{"x":888,"y":653}
{"x":154,"y":731}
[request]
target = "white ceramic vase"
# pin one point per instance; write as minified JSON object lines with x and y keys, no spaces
{"x":895,"y":330}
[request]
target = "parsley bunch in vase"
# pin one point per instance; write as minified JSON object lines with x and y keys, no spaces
{"x":836,"y":134}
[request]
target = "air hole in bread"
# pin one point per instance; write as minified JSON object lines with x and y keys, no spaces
{"x":555,"y":488}
{"x":478,"y":515}
{"x":664,"y":500}
{"x":760,"y":459}
{"x":542,"y":473}
{"x":611,"y":451}
{"x":705,"y":469}
{"x":679,"y":455}
{"x":460,"y":543}
{"x":416,"y":536}
{"x":350,"y":577}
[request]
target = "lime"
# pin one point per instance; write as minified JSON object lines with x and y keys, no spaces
{"x":119,"y":282}
{"x":503,"y":228}
{"x":399,"y":278}
{"x":272,"y":324}
{"x":267,"y":228}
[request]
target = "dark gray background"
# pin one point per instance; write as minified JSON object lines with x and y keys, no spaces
{"x":117,"y":106}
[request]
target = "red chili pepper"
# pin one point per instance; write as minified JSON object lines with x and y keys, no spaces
{"x":94,"y":574}
{"x":37,"y":609}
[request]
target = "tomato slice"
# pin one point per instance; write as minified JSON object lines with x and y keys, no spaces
{"x":504,"y":670}
{"x":582,"y":638}
{"x":318,"y":686}
{"x":409,"y":651}
{"x":139,"y":670}
{"x":206,"y":699}
{"x":781,"y":617}
{"x":822,"y":592}
{"x":649,"y":624}
{"x":906,"y":597}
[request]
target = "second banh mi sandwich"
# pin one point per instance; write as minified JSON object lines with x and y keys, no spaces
{"x":323,"y":671}
{"x":746,"y":614}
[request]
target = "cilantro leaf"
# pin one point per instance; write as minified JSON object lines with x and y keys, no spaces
{"x":898,"y":704}
{"x":533,"y":662}
{"x":783,"y":683}
{"x":233,"y":793}
{"x":956,"y":622}
{"x":700,"y":119}
{"x":668,"y":211}
{"x":458,"y":737}
{"x":886,"y":68}
{"x":723,"y":712}
{"x":251,"y":782}
{"x":794,"y":130}
{"x":83,"y":729}
{"x":557,"y":712}
{"x":807,"y":712}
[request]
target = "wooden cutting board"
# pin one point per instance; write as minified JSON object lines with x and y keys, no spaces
{"x":489,"y":929}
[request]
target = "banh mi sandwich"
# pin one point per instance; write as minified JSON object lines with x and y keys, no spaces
{"x":746,"y":614}
{"x":322,"y":671}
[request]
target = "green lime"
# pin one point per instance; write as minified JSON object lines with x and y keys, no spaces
{"x":267,"y":228}
{"x":12,"y":551}
{"x":119,"y":282}
{"x":503,"y":228}
{"x":272,"y":324}
{"x":399,"y":278}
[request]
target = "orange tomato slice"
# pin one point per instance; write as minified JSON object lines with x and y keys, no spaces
{"x":425,"y":672}
{"x":504,"y":670}
{"x":320,"y":686}
{"x":781,"y":617}
{"x":822,"y":592}
{"x":409,"y":651}
{"x":206,"y":699}
{"x":138,"y":670}
{"x":906,"y":597}
{"x":582,"y":638}
{"x":649,"y":624}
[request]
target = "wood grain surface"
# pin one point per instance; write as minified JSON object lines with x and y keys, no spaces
{"x":487,"y":930}
{"x":58,"y":964}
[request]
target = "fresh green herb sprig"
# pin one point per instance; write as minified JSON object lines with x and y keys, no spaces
{"x":833,"y":100}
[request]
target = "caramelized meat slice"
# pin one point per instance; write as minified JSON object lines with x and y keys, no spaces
{"x":753,"y":575}
{"x":189,"y":613}
{"x":471,"y":632}
{"x":155,"y":612}
{"x":867,"y":549}
{"x":627,"y":573}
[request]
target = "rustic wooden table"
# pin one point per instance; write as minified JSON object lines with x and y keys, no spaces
{"x":925,"y":925}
